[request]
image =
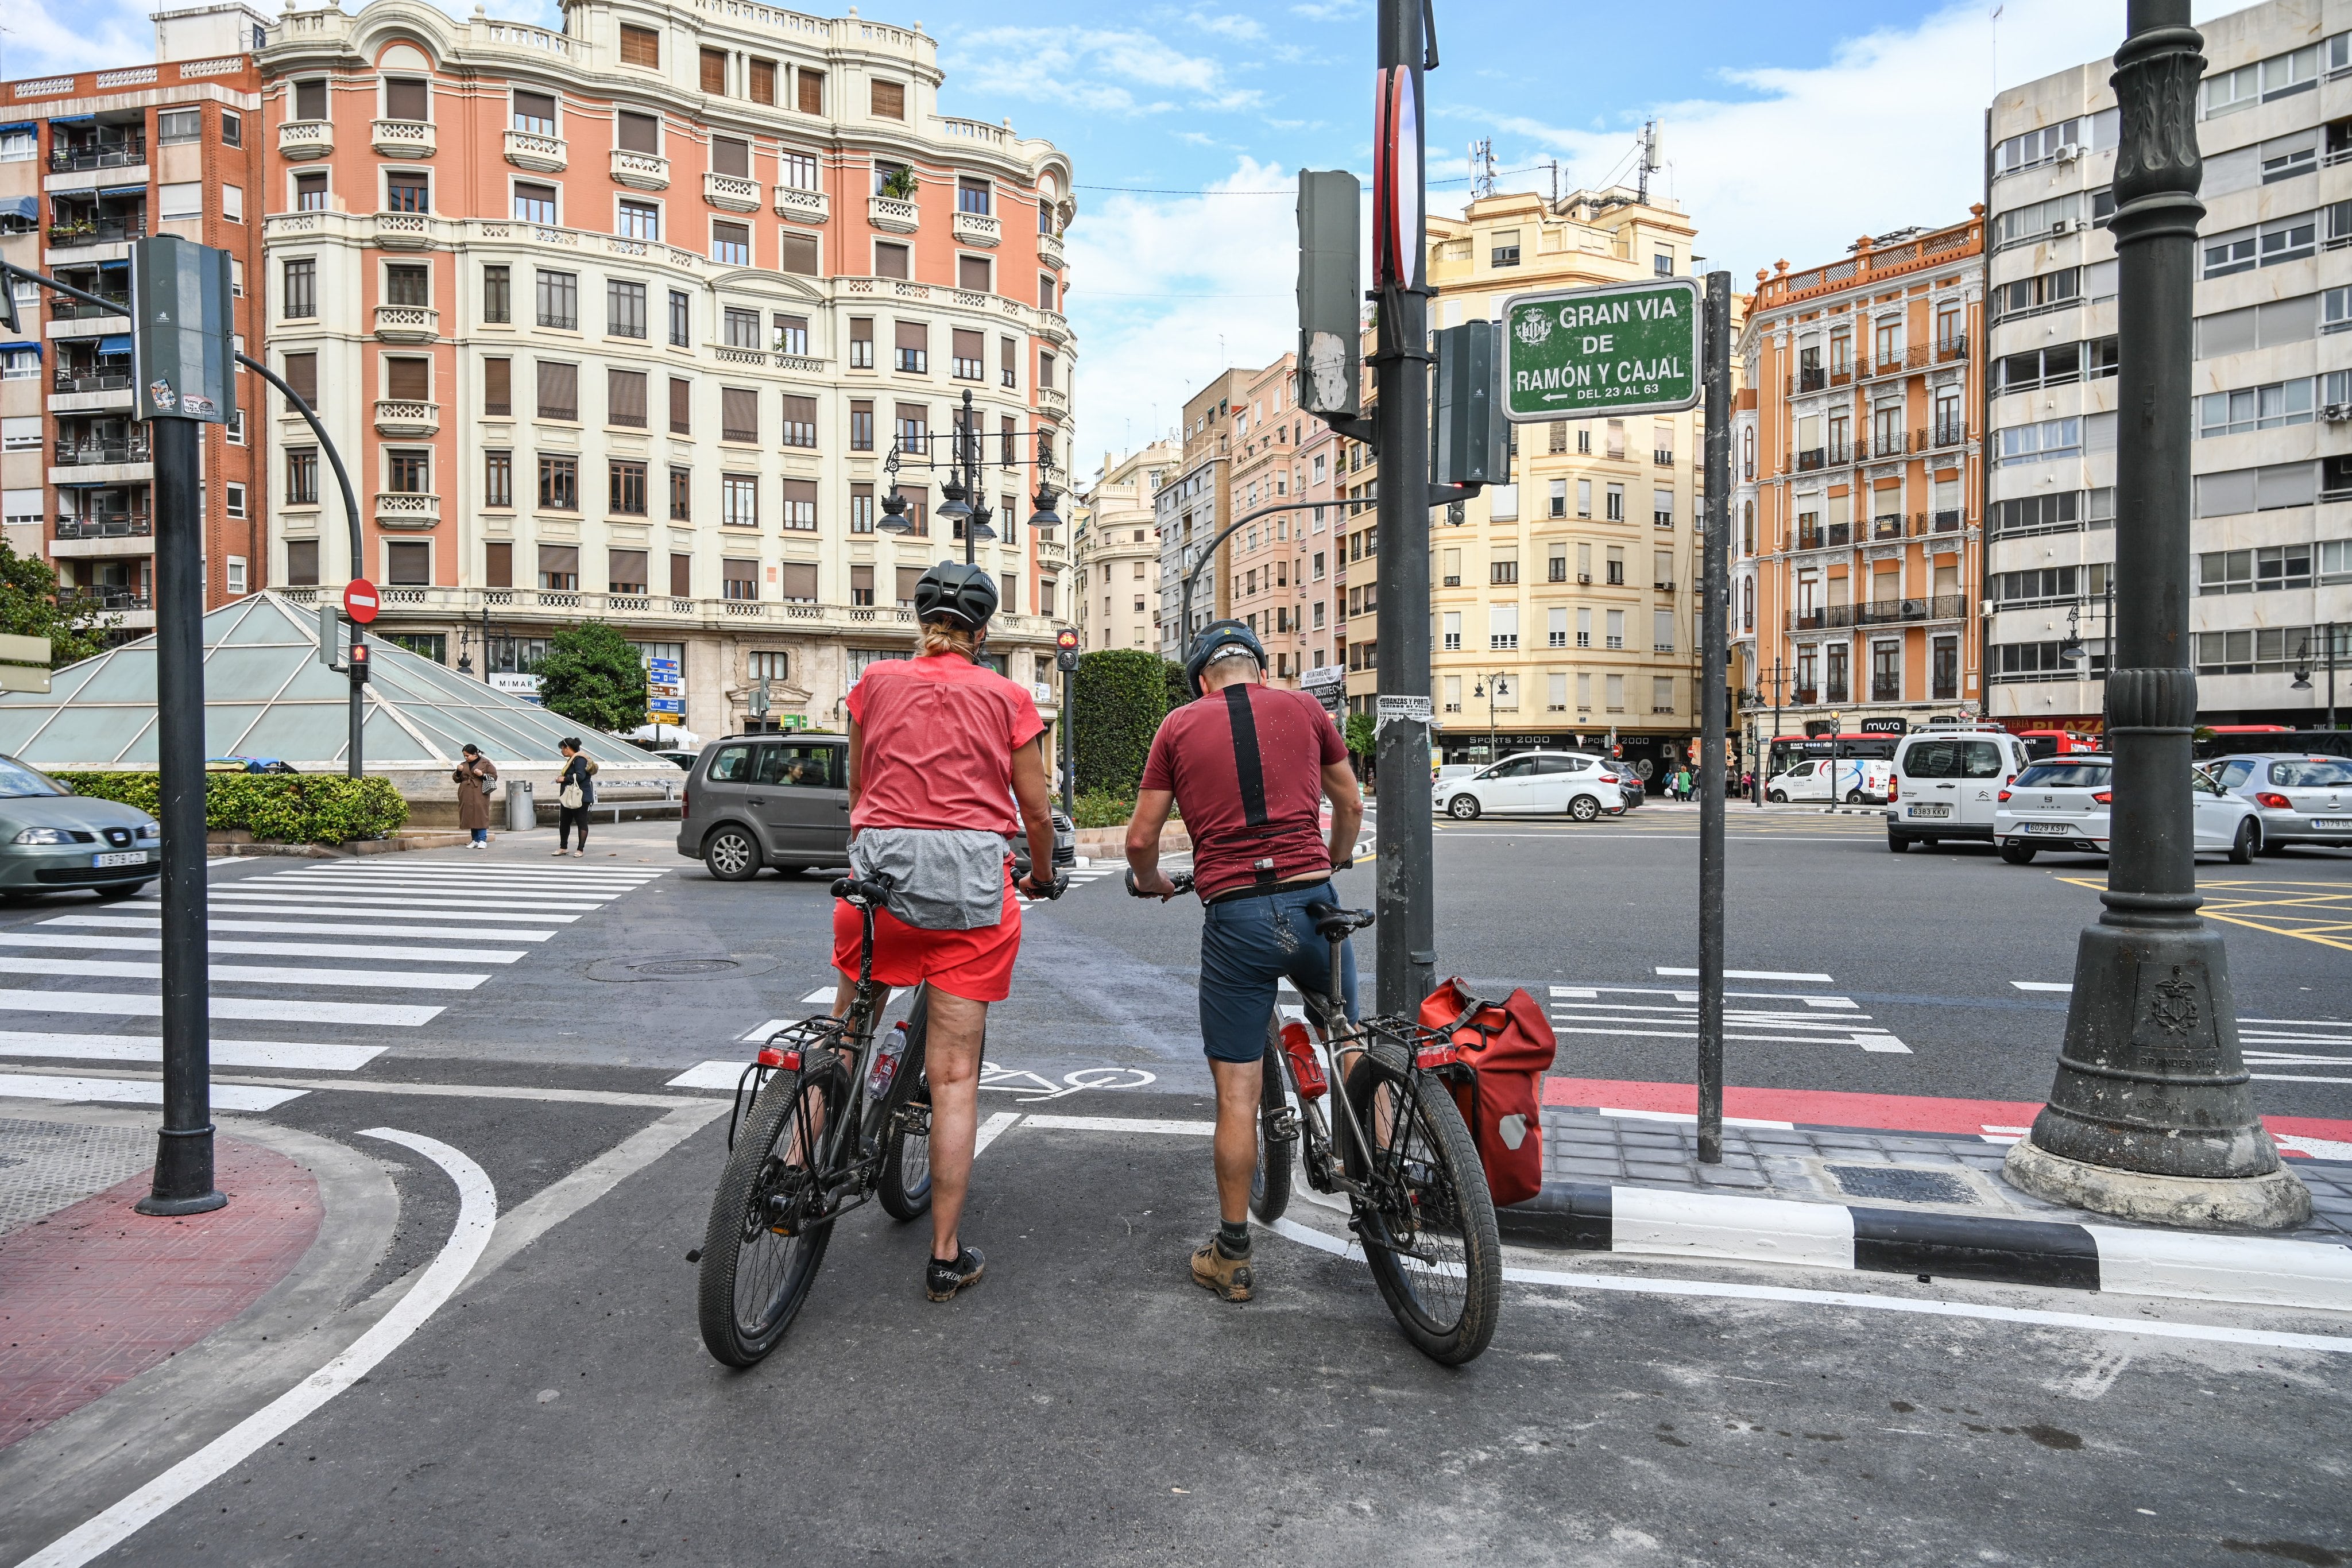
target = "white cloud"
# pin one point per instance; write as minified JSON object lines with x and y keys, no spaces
{"x":1244,"y":28}
{"x":45,"y":36}
{"x":1102,"y":70}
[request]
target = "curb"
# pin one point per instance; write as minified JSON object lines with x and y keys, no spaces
{"x":1592,"y":1217}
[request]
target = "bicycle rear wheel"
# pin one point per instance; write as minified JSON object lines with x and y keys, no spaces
{"x":1270,"y":1185}
{"x":905,"y":1186}
{"x":761,"y":1250}
{"x":1442,"y":1277}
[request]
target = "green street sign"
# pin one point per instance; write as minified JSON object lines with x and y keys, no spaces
{"x":1615,"y":349}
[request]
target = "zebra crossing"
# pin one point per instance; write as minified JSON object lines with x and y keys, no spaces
{"x":1661,"y":1013}
{"x":1079,"y":876}
{"x":2318,"y":1051}
{"x":360,"y":945}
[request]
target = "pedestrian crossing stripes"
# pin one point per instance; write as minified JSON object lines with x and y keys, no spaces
{"x":358,"y":945}
{"x":1658,"y":1014}
{"x":2317,"y":1050}
{"x":1079,"y":876}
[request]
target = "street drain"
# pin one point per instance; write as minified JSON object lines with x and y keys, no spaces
{"x":1904,"y":1183}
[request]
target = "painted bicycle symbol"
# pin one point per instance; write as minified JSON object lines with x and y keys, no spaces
{"x":1035,"y":1089}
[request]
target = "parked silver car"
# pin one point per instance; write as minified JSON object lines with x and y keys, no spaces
{"x":2302,"y":798}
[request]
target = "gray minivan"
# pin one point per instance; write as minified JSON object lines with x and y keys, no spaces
{"x":779,"y":800}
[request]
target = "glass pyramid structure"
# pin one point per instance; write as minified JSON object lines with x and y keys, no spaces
{"x":267,"y":695}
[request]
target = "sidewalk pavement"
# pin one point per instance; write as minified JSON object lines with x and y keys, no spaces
{"x":93,"y":1292}
{"x":1922,"y":1197}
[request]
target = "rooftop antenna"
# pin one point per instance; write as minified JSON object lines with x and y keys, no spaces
{"x":1481,"y":168}
{"x":1651,"y":161}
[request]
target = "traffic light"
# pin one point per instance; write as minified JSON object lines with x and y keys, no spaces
{"x":1331,"y":293}
{"x":8,"y":302}
{"x":359,"y":663}
{"x":1066,"y":646}
{"x":1471,"y":441}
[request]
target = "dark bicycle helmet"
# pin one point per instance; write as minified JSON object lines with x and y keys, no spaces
{"x":1214,"y":638}
{"x":955,"y":593}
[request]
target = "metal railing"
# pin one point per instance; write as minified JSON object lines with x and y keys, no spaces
{"x":63,"y":309}
{"x":71,"y":453}
{"x":106,"y":526}
{"x":1809,"y":460}
{"x":92,"y":380}
{"x":103,"y":599}
{"x":1889,"y":526}
{"x":1886,"y":688}
{"x":125,"y":154}
{"x":1945,"y":522}
{"x":1878,"y":612}
{"x":98,"y":231}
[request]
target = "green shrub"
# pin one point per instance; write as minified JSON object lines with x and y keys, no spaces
{"x":1180,"y":691}
{"x":1360,"y":735}
{"x":1103,"y":808}
{"x":595,"y":676}
{"x":274,"y":808}
{"x":1118,"y":699}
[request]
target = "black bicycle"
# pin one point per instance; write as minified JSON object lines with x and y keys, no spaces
{"x":1395,"y":1145}
{"x":840,"y":1111}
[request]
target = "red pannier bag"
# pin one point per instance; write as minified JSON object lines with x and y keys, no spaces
{"x":1507,"y":1046}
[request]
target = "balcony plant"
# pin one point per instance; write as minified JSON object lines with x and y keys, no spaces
{"x":899,"y":184}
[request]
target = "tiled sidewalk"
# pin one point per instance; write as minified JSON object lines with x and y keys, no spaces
{"x":1945,"y":1173}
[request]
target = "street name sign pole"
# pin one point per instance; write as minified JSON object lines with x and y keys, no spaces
{"x":1653,"y":346}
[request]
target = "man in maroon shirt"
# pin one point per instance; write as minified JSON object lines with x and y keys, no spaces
{"x":1249,"y":766}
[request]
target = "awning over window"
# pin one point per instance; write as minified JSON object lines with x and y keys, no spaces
{"x":27,"y":207}
{"x":117,"y":343}
{"x":14,"y":348}
{"x":75,"y":120}
{"x":122,"y":191}
{"x":19,"y":125}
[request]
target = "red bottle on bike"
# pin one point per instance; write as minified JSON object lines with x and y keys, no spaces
{"x":1303,"y":1061}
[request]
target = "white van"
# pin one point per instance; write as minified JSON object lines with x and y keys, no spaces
{"x":1947,"y":782}
{"x":1854,"y":780}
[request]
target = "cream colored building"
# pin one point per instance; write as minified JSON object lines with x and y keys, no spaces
{"x":1565,"y":603}
{"x":1115,"y":550}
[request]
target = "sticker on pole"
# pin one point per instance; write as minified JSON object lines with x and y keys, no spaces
{"x":359,"y":600}
{"x":1400,"y":710}
{"x":1619,"y":349}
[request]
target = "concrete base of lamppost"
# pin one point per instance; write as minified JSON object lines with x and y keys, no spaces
{"x":2278,"y":1201}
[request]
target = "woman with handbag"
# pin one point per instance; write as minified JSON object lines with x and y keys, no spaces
{"x":476,"y":776}
{"x":576,"y":791}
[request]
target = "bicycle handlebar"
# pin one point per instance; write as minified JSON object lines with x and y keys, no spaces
{"x":1180,"y":880}
{"x":873,"y":892}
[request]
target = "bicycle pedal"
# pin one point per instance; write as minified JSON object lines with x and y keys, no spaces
{"x":1282,"y":1125}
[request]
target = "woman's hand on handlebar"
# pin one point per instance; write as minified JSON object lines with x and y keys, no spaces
{"x":1052,"y":887}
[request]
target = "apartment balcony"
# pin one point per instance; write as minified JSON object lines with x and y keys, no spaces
{"x":98,"y":379}
{"x":129,"y":154}
{"x":1841,"y":452}
{"x":403,"y":231}
{"x":72,"y":453}
{"x":640,"y":170}
{"x":978,"y":228}
{"x":892,"y":215}
{"x":406,"y":509}
{"x":1807,"y":380}
{"x":807,"y":206}
{"x":1950,"y":349}
{"x":301,"y":139}
{"x":1054,"y":324}
{"x":1836,"y":692}
{"x":1804,"y":696}
{"x":407,"y":323}
{"x":406,"y":421}
{"x":1947,"y":433}
{"x":1889,"y":526}
{"x":730,"y":192}
{"x":110,"y":600}
{"x":402,"y":138}
{"x":1049,"y":252}
{"x":106,"y":526}
{"x":78,"y":232}
{"x":1053,"y":400}
{"x":63,"y":307}
{"x":530,"y":150}
{"x":1885,"y":688}
{"x":1810,"y":459}
{"x":1842,"y":374}
{"x":1878,"y":612}
{"x":1944,"y":522}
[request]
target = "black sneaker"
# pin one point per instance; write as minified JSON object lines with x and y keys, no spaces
{"x":942,"y":1281}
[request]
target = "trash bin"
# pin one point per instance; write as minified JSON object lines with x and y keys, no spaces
{"x":522,"y":811}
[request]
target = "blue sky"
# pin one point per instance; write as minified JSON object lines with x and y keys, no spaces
{"x":1787,"y":131}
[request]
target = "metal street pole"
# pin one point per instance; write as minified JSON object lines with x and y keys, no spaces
{"x":1406,"y":929}
{"x":1714,"y":579}
{"x":2150,"y":1116}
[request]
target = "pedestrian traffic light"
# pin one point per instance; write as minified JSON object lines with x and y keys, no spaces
{"x":1331,"y":293}
{"x":358,"y":662}
{"x":1471,"y":441}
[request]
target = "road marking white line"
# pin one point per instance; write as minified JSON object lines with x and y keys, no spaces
{"x":477,"y":1210}
{"x":1687,"y":996}
{"x":133,"y":1092}
{"x":1753,"y":974}
{"x":490,"y":897}
{"x":2298,"y":1078}
{"x":822,"y":994}
{"x":511,"y":908}
{"x":130,"y":1004}
{"x":213,"y":923}
{"x":1868,"y":1041}
{"x":2043,"y":984}
{"x":760,"y":1034}
{"x":251,"y":974}
{"x":1726,"y":1290}
{"x":992,"y":1129}
{"x":2317,"y":1148}
{"x":1120,"y":1125}
{"x":145,"y":1048}
{"x":339,"y":909}
{"x":527,"y":1221}
{"x":1688,"y":1118}
{"x":264,"y":949}
{"x":708,"y":1075}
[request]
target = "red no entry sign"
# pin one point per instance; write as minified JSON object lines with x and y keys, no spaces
{"x":359,"y":600}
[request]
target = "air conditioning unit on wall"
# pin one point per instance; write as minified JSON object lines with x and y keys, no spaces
{"x":2069,"y":151}
{"x":2335,"y":413}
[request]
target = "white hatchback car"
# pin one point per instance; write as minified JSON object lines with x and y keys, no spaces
{"x":1543,"y":783}
{"x":2062,"y":804}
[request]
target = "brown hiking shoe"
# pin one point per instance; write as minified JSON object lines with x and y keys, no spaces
{"x":1229,"y":1277}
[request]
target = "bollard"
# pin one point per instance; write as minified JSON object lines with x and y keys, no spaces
{"x":522,"y":811}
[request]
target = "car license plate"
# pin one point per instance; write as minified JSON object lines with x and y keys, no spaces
{"x":125,"y":857}
{"x":1931,"y":811}
{"x":2332,"y":824}
{"x":2059,"y":830}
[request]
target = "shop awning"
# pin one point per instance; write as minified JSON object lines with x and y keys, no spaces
{"x":116,"y":343}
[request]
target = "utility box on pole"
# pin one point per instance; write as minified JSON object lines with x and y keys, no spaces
{"x":1472,"y":441}
{"x":182,"y":337}
{"x":1331,"y":293}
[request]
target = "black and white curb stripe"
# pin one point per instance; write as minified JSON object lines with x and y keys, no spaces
{"x":1656,"y":1222}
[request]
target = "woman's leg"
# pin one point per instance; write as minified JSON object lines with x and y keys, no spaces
{"x":952,"y":1064}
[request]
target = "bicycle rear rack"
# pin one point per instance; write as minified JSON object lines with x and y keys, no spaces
{"x":789,"y":1046}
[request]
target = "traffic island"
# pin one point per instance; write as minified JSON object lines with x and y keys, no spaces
{"x":1921,"y":1194}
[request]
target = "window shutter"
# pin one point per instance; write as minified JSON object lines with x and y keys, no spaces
{"x":800,"y":508}
{"x":682,"y":577}
{"x":799,"y":421}
{"x":637,"y":133}
{"x":407,"y":98}
{"x":969,"y":345}
{"x":731,"y":156}
{"x":624,"y":398}
{"x":534,"y":105}
{"x":763,"y":81}
{"x":301,"y":563}
{"x":889,"y":100}
{"x":861,"y":579}
{"x":624,"y":570}
{"x":747,"y":571}
{"x":497,"y":564}
{"x":640,"y":47}
{"x":971,"y":274}
{"x":681,"y":407}
{"x":811,"y":88}
{"x":914,"y":335}
{"x":799,"y":254}
{"x":908,"y":577}
{"x":714,"y":71}
{"x":407,"y":379}
{"x":738,"y":417}
{"x":559,"y":390}
{"x":310,"y":99}
{"x":302,"y":375}
{"x":498,"y":386}
{"x":800,"y":579}
{"x":890,"y":260}
{"x":560,"y":561}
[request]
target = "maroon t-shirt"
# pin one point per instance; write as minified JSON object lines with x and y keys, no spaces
{"x":1246,"y":765}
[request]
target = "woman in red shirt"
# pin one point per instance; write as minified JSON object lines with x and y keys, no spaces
{"x":940,"y":753}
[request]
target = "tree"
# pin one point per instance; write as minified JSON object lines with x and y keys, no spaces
{"x":1117,"y":700}
{"x":595,"y":675}
{"x":29,"y":608}
{"x":1360,"y":735}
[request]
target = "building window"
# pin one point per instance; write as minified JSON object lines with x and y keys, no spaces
{"x":681,"y":407}
{"x":739,"y":329}
{"x":1616,"y":499}
{"x":234,"y":499}
{"x":914,"y":349}
{"x":714,"y":71}
{"x":408,"y":472}
{"x":730,"y":244}
{"x":558,"y":568}
{"x":639,"y":220}
{"x":311,"y":191}
{"x":681,"y":495}
{"x":861,"y":343}
{"x":559,"y":300}
{"x":799,"y":421}
{"x":301,"y":303}
{"x":861,"y":427}
{"x":892,"y":260}
{"x":535,"y":112}
{"x":497,"y":294}
{"x":738,"y":497}
{"x":973,"y":196}
{"x":625,"y":308}
{"x":236,"y":576}
{"x":498,"y":479}
{"x":534,"y":202}
{"x":624,"y":398}
{"x":800,"y":508}
{"x":763,"y":81}
{"x":627,"y":489}
{"x":179,"y":125}
{"x":888,"y":100}
{"x":301,"y":563}
{"x":559,"y":484}
{"x":861,"y":518}
{"x":680,"y":321}
{"x":739,"y":414}
{"x":559,"y":391}
{"x":788,"y":335}
{"x":302,"y":475}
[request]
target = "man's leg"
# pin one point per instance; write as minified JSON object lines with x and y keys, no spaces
{"x":1241,"y":953}
{"x":1238,"y":1084}
{"x":951,"y":1041}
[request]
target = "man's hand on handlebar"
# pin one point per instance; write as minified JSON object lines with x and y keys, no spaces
{"x":1156,"y":884}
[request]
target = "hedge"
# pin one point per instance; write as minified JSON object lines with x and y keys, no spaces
{"x":274,"y":808}
{"x":1118,"y":699}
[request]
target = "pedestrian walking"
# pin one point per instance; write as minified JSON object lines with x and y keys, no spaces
{"x":575,"y":792}
{"x":476,"y":778}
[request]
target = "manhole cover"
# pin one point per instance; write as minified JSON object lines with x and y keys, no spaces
{"x":665,"y":967}
{"x":644,"y":966}
{"x":1904,"y":1183}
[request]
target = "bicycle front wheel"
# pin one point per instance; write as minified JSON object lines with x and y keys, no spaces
{"x":1270,"y":1183}
{"x":906,"y":1187}
{"x":1442,"y":1271}
{"x":766,"y":1235}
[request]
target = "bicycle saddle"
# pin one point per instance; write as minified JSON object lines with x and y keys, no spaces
{"x":1331,"y":921}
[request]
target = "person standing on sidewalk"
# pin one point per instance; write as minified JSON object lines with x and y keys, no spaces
{"x":576,"y":792}
{"x":476,"y":776}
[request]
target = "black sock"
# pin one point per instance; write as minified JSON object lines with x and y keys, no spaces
{"x":1233,"y":1238}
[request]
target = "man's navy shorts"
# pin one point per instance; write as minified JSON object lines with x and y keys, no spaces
{"x":1247,"y":945}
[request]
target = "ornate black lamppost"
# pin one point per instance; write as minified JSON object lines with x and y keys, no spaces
{"x":963,"y":497}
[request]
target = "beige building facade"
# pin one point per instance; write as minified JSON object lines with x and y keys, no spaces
{"x":1115,"y":552}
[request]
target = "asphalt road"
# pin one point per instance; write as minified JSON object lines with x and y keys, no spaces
{"x":1086,"y":1403}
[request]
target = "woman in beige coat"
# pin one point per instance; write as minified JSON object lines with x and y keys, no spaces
{"x":476,"y":776}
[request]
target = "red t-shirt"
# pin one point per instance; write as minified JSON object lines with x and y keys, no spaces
{"x":940,"y":736}
{"x":1236,"y":820}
